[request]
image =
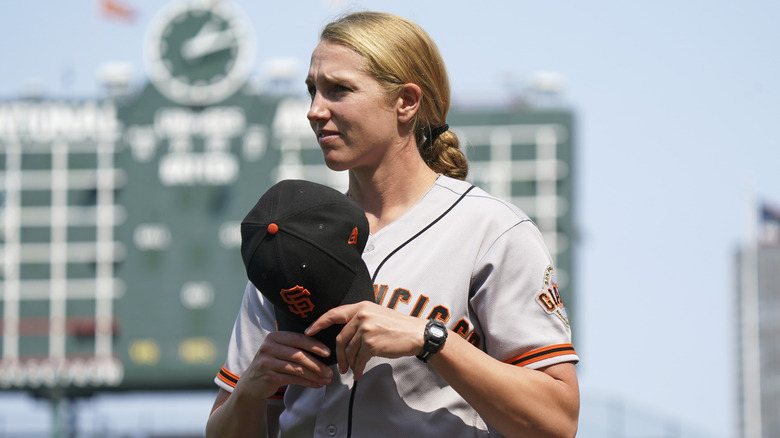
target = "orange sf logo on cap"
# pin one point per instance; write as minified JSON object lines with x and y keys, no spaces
{"x":353,"y":237}
{"x":298,"y":301}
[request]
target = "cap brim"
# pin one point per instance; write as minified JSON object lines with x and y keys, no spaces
{"x":362,"y":289}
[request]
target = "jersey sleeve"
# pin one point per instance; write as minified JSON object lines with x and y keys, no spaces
{"x":254,"y":321}
{"x":516,"y":300}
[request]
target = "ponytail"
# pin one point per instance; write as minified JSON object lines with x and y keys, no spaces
{"x":443,"y":155}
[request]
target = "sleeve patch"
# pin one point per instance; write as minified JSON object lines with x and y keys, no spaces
{"x":549,"y":299}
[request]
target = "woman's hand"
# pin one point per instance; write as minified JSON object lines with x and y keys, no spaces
{"x":370,"y":330}
{"x":285,"y":358}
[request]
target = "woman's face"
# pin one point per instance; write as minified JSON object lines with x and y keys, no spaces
{"x":353,"y":118}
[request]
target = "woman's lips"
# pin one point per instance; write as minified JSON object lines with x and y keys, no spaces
{"x":326,"y":136}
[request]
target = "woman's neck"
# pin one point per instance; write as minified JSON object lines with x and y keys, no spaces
{"x":388,"y":192}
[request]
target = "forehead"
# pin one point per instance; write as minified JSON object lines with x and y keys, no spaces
{"x":332,"y":59}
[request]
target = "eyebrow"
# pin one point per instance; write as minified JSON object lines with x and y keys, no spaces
{"x":332,"y":78}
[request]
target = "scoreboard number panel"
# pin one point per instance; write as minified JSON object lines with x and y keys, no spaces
{"x":196,"y":172}
{"x":59,"y":250}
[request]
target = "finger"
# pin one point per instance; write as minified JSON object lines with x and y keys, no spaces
{"x":362,"y":356}
{"x":337,"y":315}
{"x":301,"y":342}
{"x":358,"y":352}
{"x":300,"y":363}
{"x":346,"y":344}
{"x":291,"y":374}
{"x":343,"y":350}
{"x":302,"y":370}
{"x":296,"y":350}
{"x":354,"y":362}
{"x":277,"y":365}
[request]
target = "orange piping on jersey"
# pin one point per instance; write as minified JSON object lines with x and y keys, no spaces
{"x":227,"y":377}
{"x":541,"y":354}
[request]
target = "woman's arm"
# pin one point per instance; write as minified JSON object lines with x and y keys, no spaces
{"x":516,"y":401}
{"x":283,"y":359}
{"x":232,"y":416}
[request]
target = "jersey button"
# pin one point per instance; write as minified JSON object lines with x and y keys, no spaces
{"x":369,"y":248}
{"x":332,"y":429}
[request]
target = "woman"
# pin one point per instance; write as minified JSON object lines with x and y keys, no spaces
{"x":442,"y":253}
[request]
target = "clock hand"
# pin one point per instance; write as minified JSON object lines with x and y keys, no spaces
{"x":208,"y":40}
{"x":204,"y":44}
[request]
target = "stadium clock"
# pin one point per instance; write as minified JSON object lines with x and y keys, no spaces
{"x":199,"y":53}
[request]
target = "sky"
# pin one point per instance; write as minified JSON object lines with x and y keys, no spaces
{"x":675,"y":105}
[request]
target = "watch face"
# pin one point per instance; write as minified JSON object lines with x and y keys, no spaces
{"x":437,"y":332}
{"x":199,"y":53}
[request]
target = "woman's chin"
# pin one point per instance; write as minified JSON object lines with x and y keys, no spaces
{"x":334,"y":162}
{"x":336,"y":165}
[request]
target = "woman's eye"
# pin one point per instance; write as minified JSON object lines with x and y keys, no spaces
{"x":333,"y":89}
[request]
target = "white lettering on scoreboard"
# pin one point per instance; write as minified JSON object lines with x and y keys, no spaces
{"x":49,"y":121}
{"x":225,"y":122}
{"x":197,"y":294}
{"x":152,"y":236}
{"x":210,"y":168}
{"x":51,"y":371}
{"x":197,"y":144}
{"x":230,"y":235}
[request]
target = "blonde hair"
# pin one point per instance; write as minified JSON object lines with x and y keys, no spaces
{"x":398,"y":52}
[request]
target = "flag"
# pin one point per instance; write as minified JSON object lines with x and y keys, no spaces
{"x":769,"y":224}
{"x":117,"y":9}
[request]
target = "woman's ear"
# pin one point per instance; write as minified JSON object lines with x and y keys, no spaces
{"x":409,"y":102}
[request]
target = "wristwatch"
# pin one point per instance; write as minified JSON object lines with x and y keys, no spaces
{"x":435,"y":335}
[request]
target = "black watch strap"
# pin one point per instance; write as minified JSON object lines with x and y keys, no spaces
{"x":435,"y":335}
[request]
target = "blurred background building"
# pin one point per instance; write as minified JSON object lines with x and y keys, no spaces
{"x":758,"y":319}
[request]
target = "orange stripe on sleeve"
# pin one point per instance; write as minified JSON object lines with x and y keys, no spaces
{"x":232,"y":379}
{"x":227,"y":377}
{"x":541,"y":354}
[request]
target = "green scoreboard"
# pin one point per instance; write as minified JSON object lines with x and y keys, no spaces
{"x":119,"y":218}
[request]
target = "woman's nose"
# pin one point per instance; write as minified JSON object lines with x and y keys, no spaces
{"x":317,"y":109}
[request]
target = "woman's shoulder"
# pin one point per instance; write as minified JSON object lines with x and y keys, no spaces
{"x":484,"y":218}
{"x":480,"y":202}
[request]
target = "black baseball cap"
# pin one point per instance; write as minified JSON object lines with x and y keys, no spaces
{"x":302,"y":246}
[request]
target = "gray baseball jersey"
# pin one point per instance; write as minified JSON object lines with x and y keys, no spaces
{"x":482,"y":268}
